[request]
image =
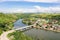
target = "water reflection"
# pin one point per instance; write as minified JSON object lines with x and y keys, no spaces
{"x":38,"y":34}
{"x":19,"y":23}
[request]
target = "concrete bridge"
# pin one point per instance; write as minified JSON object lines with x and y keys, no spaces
{"x":27,"y":27}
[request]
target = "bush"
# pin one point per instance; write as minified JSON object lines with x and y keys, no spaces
{"x":1,"y":31}
{"x":18,"y":35}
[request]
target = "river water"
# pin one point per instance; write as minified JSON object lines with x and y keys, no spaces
{"x":38,"y":34}
{"x":19,"y":24}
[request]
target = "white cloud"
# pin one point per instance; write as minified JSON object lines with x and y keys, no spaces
{"x":47,"y":9}
{"x":31,"y":10}
{"x":46,"y":1}
{"x":9,"y":0}
{"x":42,"y":0}
{"x":16,"y":10}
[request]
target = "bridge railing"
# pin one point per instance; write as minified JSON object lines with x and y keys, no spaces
{"x":26,"y":27}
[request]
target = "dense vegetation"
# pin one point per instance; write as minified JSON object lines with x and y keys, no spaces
{"x":6,"y":21}
{"x":42,"y":16}
{"x":18,"y":35}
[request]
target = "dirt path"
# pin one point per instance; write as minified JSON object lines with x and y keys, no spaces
{"x":4,"y":35}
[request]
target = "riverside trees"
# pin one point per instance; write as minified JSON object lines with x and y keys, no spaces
{"x":6,"y":21}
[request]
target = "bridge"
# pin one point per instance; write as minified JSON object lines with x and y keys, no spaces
{"x":27,"y":27}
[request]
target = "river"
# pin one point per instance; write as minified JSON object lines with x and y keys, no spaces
{"x":19,"y":24}
{"x":38,"y":34}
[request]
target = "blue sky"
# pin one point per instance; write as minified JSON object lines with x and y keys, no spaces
{"x":29,"y":6}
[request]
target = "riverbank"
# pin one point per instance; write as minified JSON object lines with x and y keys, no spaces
{"x":45,"y":24}
{"x":18,"y":34}
{"x":47,"y":29}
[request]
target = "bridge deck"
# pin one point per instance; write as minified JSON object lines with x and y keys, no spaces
{"x":24,"y":27}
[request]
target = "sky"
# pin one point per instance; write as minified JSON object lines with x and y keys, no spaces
{"x":29,"y":6}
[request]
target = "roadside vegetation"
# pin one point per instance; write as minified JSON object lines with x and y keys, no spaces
{"x":6,"y":21}
{"x":18,"y":35}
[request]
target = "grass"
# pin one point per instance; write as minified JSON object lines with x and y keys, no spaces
{"x":18,"y":35}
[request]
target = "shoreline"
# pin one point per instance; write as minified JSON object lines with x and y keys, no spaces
{"x":48,"y":29}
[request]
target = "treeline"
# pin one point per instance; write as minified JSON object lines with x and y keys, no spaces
{"x":50,"y":17}
{"x":46,"y":16}
{"x":6,"y":21}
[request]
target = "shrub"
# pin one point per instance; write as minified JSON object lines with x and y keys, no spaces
{"x":18,"y":35}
